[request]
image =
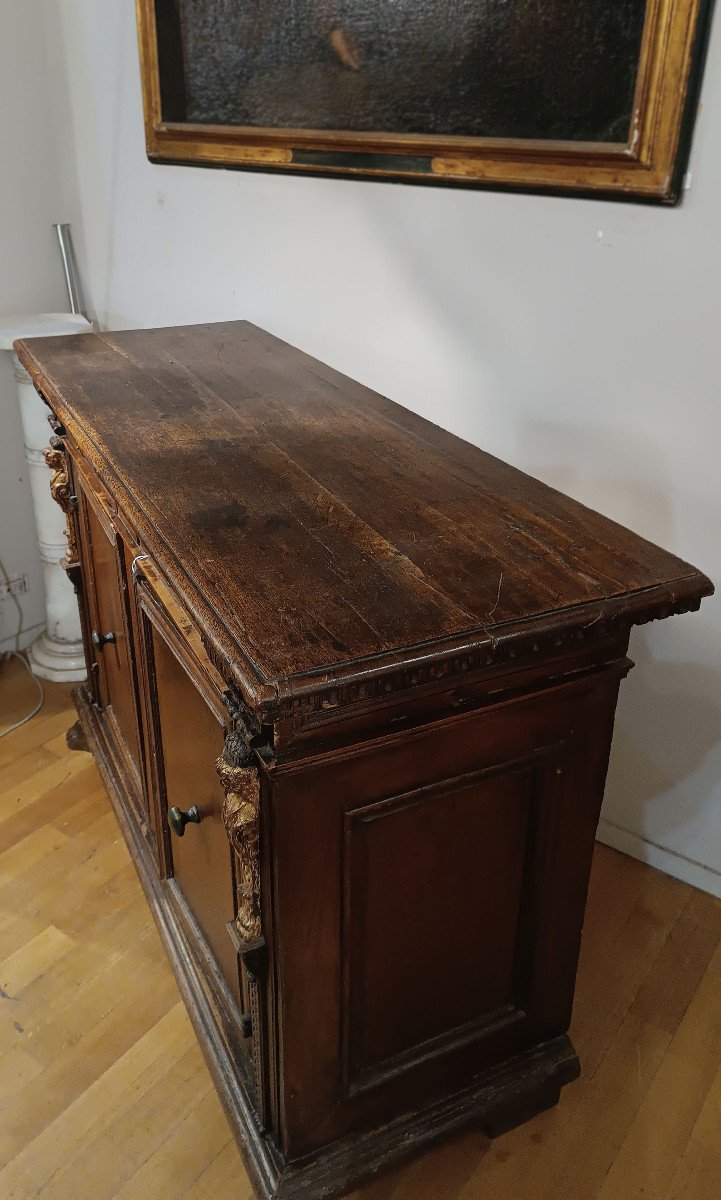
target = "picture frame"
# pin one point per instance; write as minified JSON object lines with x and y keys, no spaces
{"x":189,"y":76}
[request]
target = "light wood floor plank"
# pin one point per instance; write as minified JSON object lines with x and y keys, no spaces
{"x":221,"y":1178}
{"x":22,"y":855}
{"x":15,"y":930}
{"x":41,"y":1158}
{"x":104,"y":1094}
{"x":33,"y":960}
{"x":75,"y":1052}
{"x":24,"y":767}
{"x":45,"y":810}
{"x":174,"y":1092}
{"x":17,"y":1069}
{"x":58,"y":778}
{"x":18,"y":697}
{"x":174,"y":1167}
{"x":77,"y":817}
{"x":698,"y":1171}
{"x":663,"y":1126}
{"x":49,"y":723}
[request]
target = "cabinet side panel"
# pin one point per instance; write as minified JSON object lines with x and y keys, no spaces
{"x":414,"y":867}
{"x":430,"y":890}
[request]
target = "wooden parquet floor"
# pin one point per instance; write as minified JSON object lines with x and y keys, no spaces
{"x":104,"y":1093}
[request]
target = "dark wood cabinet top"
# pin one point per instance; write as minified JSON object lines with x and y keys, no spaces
{"x":326,"y":534}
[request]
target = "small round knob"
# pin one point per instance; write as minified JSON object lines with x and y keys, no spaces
{"x":101,"y":639}
{"x":177,"y":819}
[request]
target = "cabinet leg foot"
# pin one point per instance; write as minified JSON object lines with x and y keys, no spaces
{"x":521,"y":1111}
{"x":75,"y":738}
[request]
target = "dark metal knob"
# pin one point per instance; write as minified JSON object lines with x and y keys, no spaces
{"x":100,"y":639}
{"x":177,"y":819}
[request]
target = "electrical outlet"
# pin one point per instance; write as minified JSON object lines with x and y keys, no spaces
{"x":14,"y":587}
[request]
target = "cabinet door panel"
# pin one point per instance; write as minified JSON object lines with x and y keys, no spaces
{"x":114,"y":658}
{"x":185,"y":719}
{"x":464,"y":847}
{"x":191,"y":738}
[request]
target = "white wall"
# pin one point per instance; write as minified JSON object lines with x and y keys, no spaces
{"x":577,"y":339}
{"x":31,"y":280}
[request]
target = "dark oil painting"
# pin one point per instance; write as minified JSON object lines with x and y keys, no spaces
{"x":540,"y":69}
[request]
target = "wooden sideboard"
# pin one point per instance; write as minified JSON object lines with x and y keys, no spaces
{"x":351,"y":686}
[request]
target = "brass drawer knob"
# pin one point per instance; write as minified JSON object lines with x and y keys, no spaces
{"x":177,"y":819}
{"x":101,"y":639}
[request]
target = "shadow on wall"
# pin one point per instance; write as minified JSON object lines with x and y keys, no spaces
{"x":667,"y":737}
{"x":610,"y":469}
{"x":668,"y":732}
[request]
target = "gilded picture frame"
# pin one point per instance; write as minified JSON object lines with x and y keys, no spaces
{"x":646,"y":161}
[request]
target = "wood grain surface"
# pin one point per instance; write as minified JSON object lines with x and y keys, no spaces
{"x":326,"y":524}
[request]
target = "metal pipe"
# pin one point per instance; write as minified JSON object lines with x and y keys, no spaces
{"x":70,"y":268}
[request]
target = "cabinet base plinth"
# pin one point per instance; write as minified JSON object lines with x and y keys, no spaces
{"x":511,"y":1095}
{"x":75,"y":738}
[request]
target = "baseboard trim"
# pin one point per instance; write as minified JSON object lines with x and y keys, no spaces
{"x":706,"y":879}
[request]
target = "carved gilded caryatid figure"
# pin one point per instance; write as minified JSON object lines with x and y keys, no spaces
{"x":241,"y":815}
{"x":60,"y":489}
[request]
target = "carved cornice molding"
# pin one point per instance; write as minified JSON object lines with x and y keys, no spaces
{"x":518,"y":647}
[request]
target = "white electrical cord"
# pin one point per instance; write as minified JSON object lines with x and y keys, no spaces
{"x":38,"y":706}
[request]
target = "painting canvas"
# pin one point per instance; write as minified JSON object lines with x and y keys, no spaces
{"x":562,"y":94}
